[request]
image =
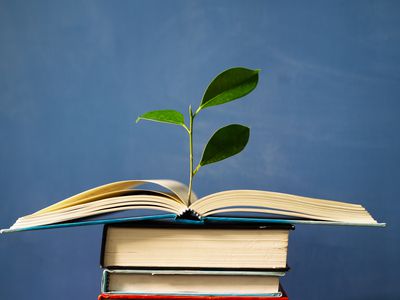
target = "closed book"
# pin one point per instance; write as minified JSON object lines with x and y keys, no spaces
{"x":192,"y":282}
{"x":195,"y":247}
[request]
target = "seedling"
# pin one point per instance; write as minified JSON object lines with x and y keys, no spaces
{"x":227,"y":141}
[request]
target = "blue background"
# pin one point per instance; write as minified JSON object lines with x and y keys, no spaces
{"x":74,"y":75}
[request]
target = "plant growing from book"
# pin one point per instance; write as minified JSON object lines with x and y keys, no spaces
{"x":227,"y":141}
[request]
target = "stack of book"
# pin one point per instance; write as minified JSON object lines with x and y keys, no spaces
{"x":181,"y":261}
{"x":227,"y":245}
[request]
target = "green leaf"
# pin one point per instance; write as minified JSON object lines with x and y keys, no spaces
{"x":163,"y":116}
{"x":231,"y":84}
{"x":225,"y":142}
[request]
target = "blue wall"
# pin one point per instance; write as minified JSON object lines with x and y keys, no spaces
{"x":74,"y":75}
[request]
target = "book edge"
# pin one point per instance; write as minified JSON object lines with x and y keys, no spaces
{"x":289,"y":221}
{"x":93,"y":222}
{"x":206,"y":220}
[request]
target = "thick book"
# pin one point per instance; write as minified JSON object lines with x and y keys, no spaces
{"x":160,"y":245}
{"x":191,"y":282}
{"x":171,"y":201}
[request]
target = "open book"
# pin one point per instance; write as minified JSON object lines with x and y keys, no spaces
{"x":230,"y":205}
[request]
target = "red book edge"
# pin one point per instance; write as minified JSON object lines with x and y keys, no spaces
{"x":183,"y":297}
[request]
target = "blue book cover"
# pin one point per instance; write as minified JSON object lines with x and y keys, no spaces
{"x":206,"y":220}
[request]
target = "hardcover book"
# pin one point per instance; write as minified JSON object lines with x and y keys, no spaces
{"x":191,"y":282}
{"x":171,"y":201}
{"x":196,"y":247}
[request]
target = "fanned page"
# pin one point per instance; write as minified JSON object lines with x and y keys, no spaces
{"x":109,"y":198}
{"x":104,"y":191}
{"x":264,"y":202}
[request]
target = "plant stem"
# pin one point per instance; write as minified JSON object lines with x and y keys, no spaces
{"x":191,"y":174}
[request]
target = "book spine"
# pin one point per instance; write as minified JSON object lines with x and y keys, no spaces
{"x":103,"y":245}
{"x":104,"y":281}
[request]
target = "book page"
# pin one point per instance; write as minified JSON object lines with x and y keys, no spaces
{"x":104,"y":206}
{"x":254,"y":201}
{"x":119,"y":188}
